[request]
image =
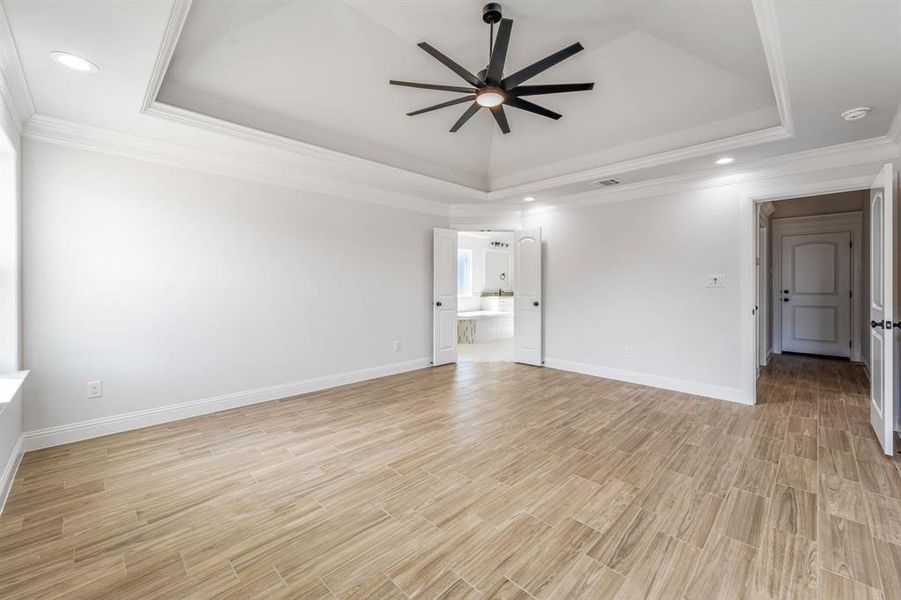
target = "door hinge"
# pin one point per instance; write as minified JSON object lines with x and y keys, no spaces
{"x":851,"y":294}
{"x":849,"y":344}
{"x":851,"y":244}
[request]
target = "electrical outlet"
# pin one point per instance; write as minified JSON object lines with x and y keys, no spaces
{"x":628,"y":351}
{"x":397,"y":346}
{"x":95,"y":389}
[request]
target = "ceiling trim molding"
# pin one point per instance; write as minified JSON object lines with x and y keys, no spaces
{"x":174,"y":27}
{"x":13,"y":84}
{"x":84,"y":137}
{"x":765,"y":14}
{"x":808,"y":161}
{"x":190,"y":118}
{"x":752,"y":138}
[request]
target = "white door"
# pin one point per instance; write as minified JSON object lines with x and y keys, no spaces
{"x":444,"y":301}
{"x":816,"y":293}
{"x":527,"y":303}
{"x":881,"y":308}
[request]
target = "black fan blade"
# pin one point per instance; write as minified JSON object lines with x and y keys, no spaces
{"x":531,"y":107}
{"x":554,"y":88}
{"x":465,"y":117}
{"x":501,"y":117}
{"x":542,"y":65}
{"x":442,"y":105}
{"x":499,"y":55}
{"x":469,"y":77}
{"x":433,"y":86}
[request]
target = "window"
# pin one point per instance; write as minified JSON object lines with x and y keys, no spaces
{"x":464,"y":272}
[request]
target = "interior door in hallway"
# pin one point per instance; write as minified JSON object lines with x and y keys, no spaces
{"x":816,"y":293}
{"x":527,"y":300}
{"x":444,"y":297}
{"x":882,"y":383}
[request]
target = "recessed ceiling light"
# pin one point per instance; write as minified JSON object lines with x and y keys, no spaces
{"x":724,"y":160}
{"x":74,"y":62}
{"x":854,"y":114}
{"x":528,"y":199}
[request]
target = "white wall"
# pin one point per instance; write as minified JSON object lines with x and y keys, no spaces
{"x":633,"y":274}
{"x":174,"y":286}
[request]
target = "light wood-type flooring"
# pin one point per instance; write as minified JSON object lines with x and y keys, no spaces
{"x":476,"y":481}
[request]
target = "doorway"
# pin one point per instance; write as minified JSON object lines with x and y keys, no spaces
{"x":812,"y":269}
{"x":487,"y":297}
{"x":485,"y":327}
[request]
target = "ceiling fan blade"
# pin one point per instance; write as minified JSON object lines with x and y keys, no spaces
{"x":501,"y":117}
{"x":433,"y":86}
{"x":499,"y":55}
{"x":465,"y":117}
{"x":442,"y":105}
{"x":469,"y":77}
{"x":531,"y":107}
{"x":542,"y":65}
{"x":553,"y":88}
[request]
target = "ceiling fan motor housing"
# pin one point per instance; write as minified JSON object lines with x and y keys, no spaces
{"x":491,"y":13}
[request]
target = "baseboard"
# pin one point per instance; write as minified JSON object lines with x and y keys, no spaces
{"x":720,"y":392}
{"x":9,"y":471}
{"x":76,"y":432}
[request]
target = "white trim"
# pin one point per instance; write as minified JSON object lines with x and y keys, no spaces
{"x":769,"y":37}
{"x":805,"y":161}
{"x":13,"y":85}
{"x":765,"y":15}
{"x":9,"y":471}
{"x":847,"y":221}
{"x":748,"y":286}
{"x":177,"y":17}
{"x":75,"y":432}
{"x":85,"y":137}
{"x":698,"y":388}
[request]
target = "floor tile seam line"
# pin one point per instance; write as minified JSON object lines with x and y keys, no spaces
{"x":866,"y":507}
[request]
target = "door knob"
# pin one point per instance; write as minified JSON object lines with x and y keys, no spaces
{"x":438,"y":303}
{"x":786,"y":300}
{"x":875,"y":324}
{"x":784,"y":291}
{"x":535,"y":303}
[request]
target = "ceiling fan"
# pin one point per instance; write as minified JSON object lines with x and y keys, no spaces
{"x":489,"y":88}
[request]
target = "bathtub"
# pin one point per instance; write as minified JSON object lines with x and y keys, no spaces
{"x":476,"y":326}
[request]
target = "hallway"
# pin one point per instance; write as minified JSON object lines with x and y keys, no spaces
{"x":837,"y":498}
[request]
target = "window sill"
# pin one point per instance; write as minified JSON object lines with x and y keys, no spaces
{"x":10,"y":384}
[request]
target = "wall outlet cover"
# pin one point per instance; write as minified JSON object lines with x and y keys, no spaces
{"x":95,"y":389}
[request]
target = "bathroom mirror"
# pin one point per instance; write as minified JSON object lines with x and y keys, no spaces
{"x":497,"y":270}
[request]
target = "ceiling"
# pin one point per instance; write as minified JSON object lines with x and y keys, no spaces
{"x":677,"y":84}
{"x":318,"y":72}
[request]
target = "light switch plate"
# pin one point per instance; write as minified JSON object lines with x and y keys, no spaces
{"x":716,"y":280}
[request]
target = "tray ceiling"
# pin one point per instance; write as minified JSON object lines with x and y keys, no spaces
{"x":668,"y":75}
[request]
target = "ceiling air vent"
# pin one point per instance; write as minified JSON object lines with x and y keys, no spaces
{"x":608,"y":182}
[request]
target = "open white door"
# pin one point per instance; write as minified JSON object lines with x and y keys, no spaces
{"x":527,"y":303}
{"x":882,"y":308}
{"x":444,"y":301}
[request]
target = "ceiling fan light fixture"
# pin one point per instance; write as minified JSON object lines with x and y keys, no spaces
{"x":489,"y":97}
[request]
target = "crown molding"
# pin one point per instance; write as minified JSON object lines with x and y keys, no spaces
{"x":764,"y":13}
{"x":85,"y":137}
{"x":177,"y":17}
{"x":872,"y":150}
{"x":13,"y":85}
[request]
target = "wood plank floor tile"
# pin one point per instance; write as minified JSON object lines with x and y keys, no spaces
{"x":475,"y":481}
